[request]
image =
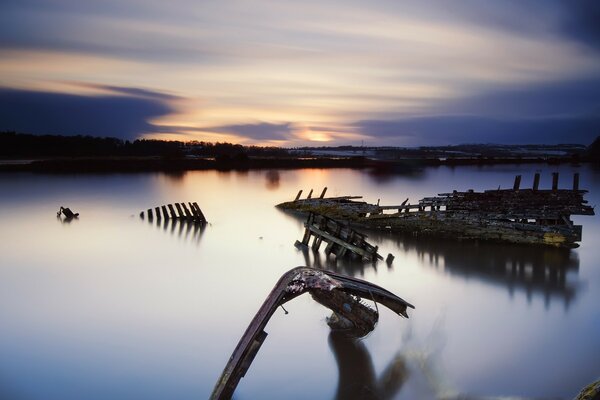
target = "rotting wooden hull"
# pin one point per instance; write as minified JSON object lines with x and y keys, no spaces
{"x":526,"y":216}
{"x":448,"y":226}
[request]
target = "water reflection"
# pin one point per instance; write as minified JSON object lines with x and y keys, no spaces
{"x":272,"y":178}
{"x":187,"y":230}
{"x":537,"y":270}
{"x":345,"y":265}
{"x":357,"y":378}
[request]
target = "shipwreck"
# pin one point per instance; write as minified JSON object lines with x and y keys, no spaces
{"x":528,"y":216}
{"x":344,"y":295}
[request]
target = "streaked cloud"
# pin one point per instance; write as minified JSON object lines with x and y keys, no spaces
{"x":120,"y":116}
{"x":245,"y":71}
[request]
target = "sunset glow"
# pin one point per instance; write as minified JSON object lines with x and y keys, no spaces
{"x":263,"y":72}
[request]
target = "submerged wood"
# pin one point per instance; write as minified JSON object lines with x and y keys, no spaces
{"x":342,"y":294}
{"x":182,"y":214}
{"x":340,"y":238}
{"x":516,"y":215}
{"x":66,"y":211}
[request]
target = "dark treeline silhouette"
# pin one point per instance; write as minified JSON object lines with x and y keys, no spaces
{"x":18,"y":145}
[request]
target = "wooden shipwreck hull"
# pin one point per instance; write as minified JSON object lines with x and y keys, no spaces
{"x":516,"y":215}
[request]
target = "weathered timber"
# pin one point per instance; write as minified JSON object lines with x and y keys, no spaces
{"x":182,"y":213}
{"x":323,"y":192}
{"x":172,"y":211}
{"x":342,"y":294}
{"x":517,"y":215}
{"x":67,"y":213}
{"x":179,"y":211}
{"x":340,"y":238}
{"x":187,"y":212}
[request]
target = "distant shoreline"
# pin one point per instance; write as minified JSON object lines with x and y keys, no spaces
{"x":163,"y":164}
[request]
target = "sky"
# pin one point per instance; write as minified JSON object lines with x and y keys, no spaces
{"x":295,"y":73}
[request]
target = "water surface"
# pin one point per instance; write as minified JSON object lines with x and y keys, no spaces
{"x":110,"y":306}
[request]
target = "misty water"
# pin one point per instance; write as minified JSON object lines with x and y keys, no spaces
{"x":112,"y":306}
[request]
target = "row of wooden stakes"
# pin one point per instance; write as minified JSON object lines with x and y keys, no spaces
{"x":180,"y":211}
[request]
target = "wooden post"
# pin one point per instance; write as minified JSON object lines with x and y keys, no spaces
{"x":576,"y":181}
{"x":187,"y":212}
{"x":172,"y":211}
{"x":164,"y":211}
{"x":323,"y":192}
{"x":317,"y":243}
{"x":179,"y":210}
{"x":555,"y":181}
{"x":536,"y":181}
{"x":310,"y":194}
{"x":517,"y":182}
{"x":298,"y":195}
{"x":328,"y":248}
{"x":200,"y":213}
{"x":157,"y":210}
{"x":142,"y":215}
{"x":306,"y":237}
{"x":149,"y":212}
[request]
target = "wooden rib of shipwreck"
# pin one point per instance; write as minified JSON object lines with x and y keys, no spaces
{"x":340,"y":238}
{"x":179,"y":212}
{"x":531,"y":216}
{"x":341,"y":294}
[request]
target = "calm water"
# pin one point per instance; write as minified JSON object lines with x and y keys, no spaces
{"x":109,"y":306}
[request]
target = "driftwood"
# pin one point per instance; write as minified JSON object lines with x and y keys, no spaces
{"x":516,"y":215}
{"x":342,"y":294}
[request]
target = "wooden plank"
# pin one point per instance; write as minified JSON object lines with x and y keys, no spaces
{"x":330,"y":238}
{"x":576,"y":181}
{"x":179,"y":210}
{"x":298,"y":195}
{"x":310,"y":194}
{"x":193,"y":210}
{"x":172,"y":211}
{"x":164,"y":211}
{"x":149,"y":212}
{"x":187,"y":212}
{"x":157,"y":210}
{"x":554,"y":181}
{"x":199,"y":211}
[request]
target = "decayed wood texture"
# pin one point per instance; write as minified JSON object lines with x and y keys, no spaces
{"x":183,"y":213}
{"x":327,"y":286}
{"x":515,"y":215}
{"x":340,"y":238}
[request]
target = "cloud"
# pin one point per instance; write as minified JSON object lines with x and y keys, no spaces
{"x":533,"y":100}
{"x":123,"y":116}
{"x":582,"y":21}
{"x":258,"y":131}
{"x":446,"y":130}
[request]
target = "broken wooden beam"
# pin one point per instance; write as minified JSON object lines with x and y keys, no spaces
{"x":331,"y":231}
{"x":338,"y":292}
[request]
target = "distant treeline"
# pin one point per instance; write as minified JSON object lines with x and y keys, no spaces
{"x":19,"y":145}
